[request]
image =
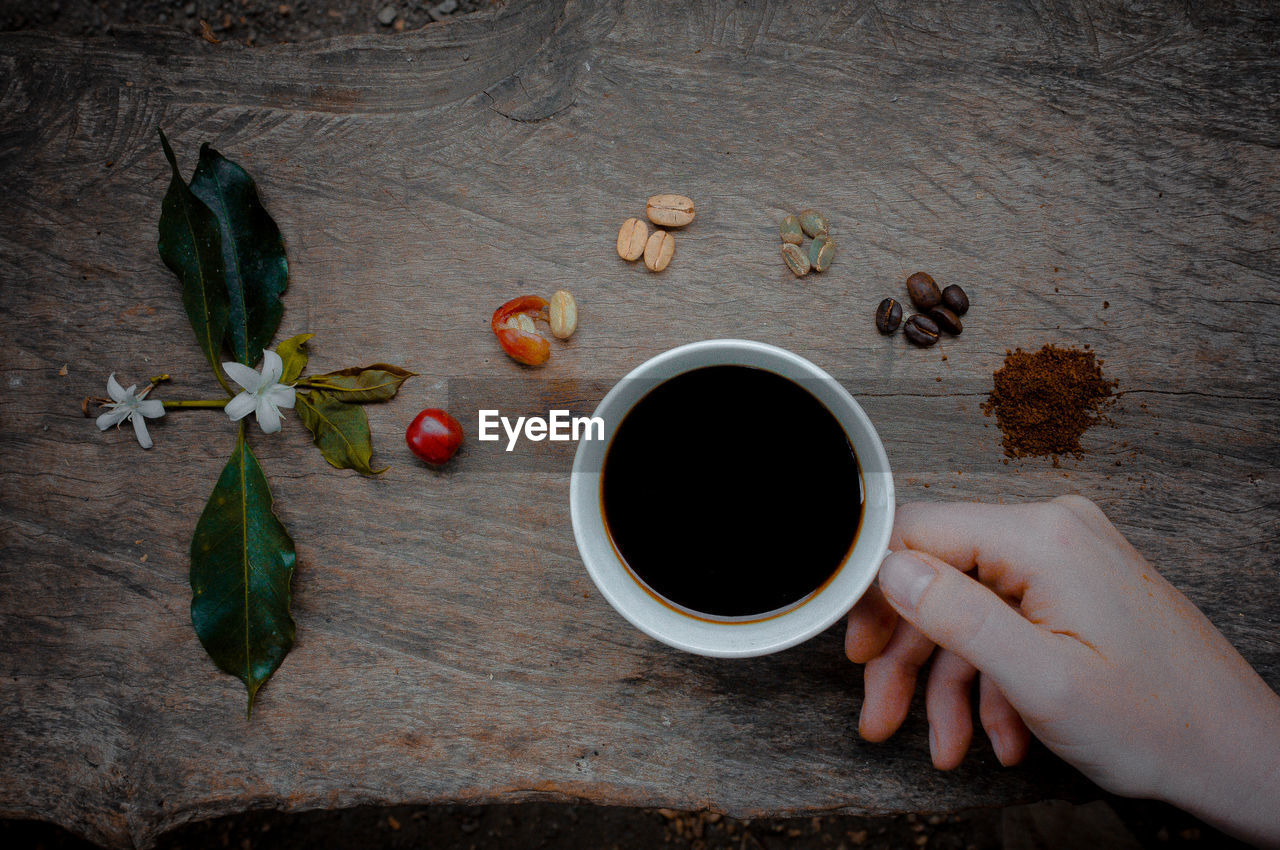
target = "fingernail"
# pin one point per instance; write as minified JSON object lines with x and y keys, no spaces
{"x":904,"y":577}
{"x":997,"y":736}
{"x":933,"y":743}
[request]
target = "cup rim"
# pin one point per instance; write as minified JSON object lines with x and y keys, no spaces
{"x":732,"y":637}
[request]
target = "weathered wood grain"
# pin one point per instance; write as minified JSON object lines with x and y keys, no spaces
{"x":1093,"y":173}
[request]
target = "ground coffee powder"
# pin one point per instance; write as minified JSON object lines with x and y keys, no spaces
{"x":1044,"y":401}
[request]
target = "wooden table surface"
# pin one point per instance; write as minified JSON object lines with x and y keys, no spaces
{"x":1092,"y":174}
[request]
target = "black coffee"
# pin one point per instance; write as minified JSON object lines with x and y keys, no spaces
{"x":731,"y":491}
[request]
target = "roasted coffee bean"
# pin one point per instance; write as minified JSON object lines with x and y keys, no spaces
{"x":955,"y":300}
{"x":947,"y":320}
{"x":921,"y":330}
{"x":888,"y":316}
{"x":923,"y":291}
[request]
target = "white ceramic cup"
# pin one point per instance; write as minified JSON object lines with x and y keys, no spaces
{"x":732,"y":637}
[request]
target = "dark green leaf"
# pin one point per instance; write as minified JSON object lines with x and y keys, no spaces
{"x":191,"y":246}
{"x":295,"y":359}
{"x":241,"y":563}
{"x":378,"y":382}
{"x":341,"y":431}
{"x":257,"y":272}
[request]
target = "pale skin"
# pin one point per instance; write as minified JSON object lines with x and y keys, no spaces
{"x":1073,"y":637}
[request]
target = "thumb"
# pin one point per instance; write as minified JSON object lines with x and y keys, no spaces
{"x":962,"y":615}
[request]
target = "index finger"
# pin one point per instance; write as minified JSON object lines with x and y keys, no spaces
{"x":1007,"y":544}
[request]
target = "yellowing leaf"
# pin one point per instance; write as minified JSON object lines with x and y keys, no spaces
{"x":340,"y":430}
{"x":294,"y":357}
{"x":378,"y":382}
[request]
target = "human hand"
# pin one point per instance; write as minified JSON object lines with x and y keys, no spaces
{"x":1077,"y":638}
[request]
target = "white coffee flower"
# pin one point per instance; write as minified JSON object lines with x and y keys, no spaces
{"x":263,"y":394}
{"x":125,"y":404}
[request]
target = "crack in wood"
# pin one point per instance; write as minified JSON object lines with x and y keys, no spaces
{"x":536,"y":120}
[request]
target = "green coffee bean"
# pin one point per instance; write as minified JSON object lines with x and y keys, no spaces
{"x":791,"y":231}
{"x":814,"y":223}
{"x":822,"y":250}
{"x":795,"y":259}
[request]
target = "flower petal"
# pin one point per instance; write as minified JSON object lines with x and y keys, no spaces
{"x":282,"y":396}
{"x":140,"y":429}
{"x":268,"y":417}
{"x":272,"y":367}
{"x":243,"y":375}
{"x":112,"y":417}
{"x":152,"y":408}
{"x":241,"y":406}
{"x":114,"y":389}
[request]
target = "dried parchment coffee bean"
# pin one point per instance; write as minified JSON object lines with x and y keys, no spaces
{"x":562,"y":313}
{"x":921,"y":330}
{"x":814,"y":223}
{"x":888,"y":316}
{"x":669,"y":210}
{"x":796,"y":259}
{"x":955,"y":299}
{"x":791,"y":231}
{"x":631,"y":239}
{"x":822,"y":250}
{"x":946,"y":320}
{"x":659,"y":250}
{"x":923,"y":291}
